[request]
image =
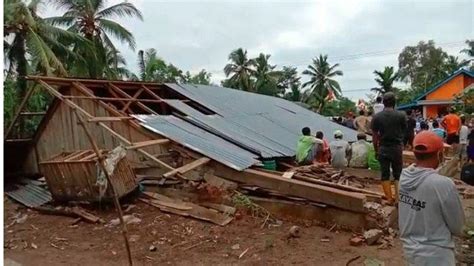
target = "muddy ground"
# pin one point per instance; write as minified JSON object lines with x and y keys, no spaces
{"x":54,"y":240}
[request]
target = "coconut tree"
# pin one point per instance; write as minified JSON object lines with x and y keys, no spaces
{"x":239,"y":70}
{"x":93,"y":20}
{"x":266,"y":77}
{"x":321,"y":84}
{"x":385,"y":80}
{"x":28,"y":38}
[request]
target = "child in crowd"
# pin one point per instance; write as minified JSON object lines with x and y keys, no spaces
{"x":323,"y":155}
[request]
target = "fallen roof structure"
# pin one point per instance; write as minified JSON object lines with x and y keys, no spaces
{"x":180,"y":130}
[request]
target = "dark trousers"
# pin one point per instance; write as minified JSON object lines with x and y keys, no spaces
{"x":391,"y":157}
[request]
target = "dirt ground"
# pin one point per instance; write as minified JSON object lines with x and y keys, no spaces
{"x":48,"y":239}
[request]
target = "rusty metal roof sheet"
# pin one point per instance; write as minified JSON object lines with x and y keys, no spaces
{"x":30,"y":194}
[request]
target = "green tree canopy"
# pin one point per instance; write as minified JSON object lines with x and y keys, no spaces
{"x":93,"y":20}
{"x":322,"y":81}
{"x":385,"y":80}
{"x":239,"y":71}
{"x":424,"y":65}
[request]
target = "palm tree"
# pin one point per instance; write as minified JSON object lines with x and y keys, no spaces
{"x":385,"y":80}
{"x":470,"y":50}
{"x":28,"y":37}
{"x":294,"y":94}
{"x":322,"y":83}
{"x":240,"y":69}
{"x":93,"y":20}
{"x":290,"y":81}
{"x":115,"y":66}
{"x":153,"y":68}
{"x":266,"y":78}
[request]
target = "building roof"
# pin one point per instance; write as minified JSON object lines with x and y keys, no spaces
{"x":233,"y":127}
{"x":268,"y":124}
{"x":415,"y":102}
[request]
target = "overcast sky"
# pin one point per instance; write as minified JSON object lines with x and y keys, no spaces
{"x":195,"y":35}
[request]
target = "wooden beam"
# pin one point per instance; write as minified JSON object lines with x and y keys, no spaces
{"x":124,"y":94}
{"x":187,"y":167}
{"x":32,"y":113}
{"x":142,"y":144}
{"x":18,"y":140}
{"x":112,"y":99}
{"x":335,"y":185}
{"x":135,"y":97}
{"x":68,"y":81}
{"x":109,"y":119}
{"x":18,"y":111}
{"x":331,"y":196}
{"x":58,"y":95}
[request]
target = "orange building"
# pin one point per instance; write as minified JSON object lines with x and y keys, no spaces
{"x":438,"y":98}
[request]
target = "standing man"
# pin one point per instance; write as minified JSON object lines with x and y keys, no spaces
{"x":360,"y":123}
{"x":452,"y":124}
{"x":388,"y":130}
{"x":378,"y":106}
{"x":410,"y":132}
{"x":430,"y":211}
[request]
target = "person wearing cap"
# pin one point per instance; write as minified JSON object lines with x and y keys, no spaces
{"x":429,"y":209}
{"x":340,"y":150}
{"x":388,"y":132}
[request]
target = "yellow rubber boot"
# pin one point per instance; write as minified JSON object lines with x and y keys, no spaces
{"x":396,"y":185}
{"x":387,"y":190}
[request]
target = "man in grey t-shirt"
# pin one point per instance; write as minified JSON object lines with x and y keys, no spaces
{"x":340,"y":149}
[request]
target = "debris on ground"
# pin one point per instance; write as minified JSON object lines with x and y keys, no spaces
{"x":372,"y":236}
{"x":356,"y":240}
{"x":295,"y":231}
{"x":127,"y":219}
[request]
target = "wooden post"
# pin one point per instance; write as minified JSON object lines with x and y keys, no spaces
{"x":116,"y":201}
{"x":20,"y":108}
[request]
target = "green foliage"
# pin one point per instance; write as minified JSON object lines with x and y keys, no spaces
{"x":425,"y":64}
{"x":10,"y":101}
{"x":322,"y":82}
{"x":289,"y":84}
{"x":465,"y":102}
{"x":203,"y":78}
{"x":385,"y":80}
{"x":339,"y":107}
{"x":239,"y":71}
{"x":92,"y":20}
{"x":266,"y":77}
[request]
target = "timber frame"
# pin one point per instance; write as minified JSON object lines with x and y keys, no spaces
{"x":105,"y":108}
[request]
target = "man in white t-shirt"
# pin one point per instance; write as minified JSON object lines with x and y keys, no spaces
{"x":463,"y":133}
{"x":340,"y":150}
{"x":378,"y":106}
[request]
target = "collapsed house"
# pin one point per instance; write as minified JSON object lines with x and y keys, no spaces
{"x":181,"y":130}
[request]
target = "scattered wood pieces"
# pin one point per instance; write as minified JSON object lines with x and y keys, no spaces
{"x":288,"y":174}
{"x":195,"y":211}
{"x":243,"y":253}
{"x":71,"y":212}
{"x":187,"y":167}
{"x":197,"y":244}
{"x":352,"y":260}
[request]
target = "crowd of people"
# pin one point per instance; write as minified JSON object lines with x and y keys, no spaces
{"x":430,"y":210}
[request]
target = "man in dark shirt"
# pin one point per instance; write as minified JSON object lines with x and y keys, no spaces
{"x":388,"y":129}
{"x":410,"y":132}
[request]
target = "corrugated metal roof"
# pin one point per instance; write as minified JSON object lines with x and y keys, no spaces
{"x":199,"y":140}
{"x":30,"y":194}
{"x":268,"y":124}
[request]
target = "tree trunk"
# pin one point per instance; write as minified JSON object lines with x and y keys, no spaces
{"x":21,"y":69}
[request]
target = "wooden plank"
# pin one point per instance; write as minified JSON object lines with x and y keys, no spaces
{"x":111,"y":99}
{"x":346,"y":200}
{"x":335,"y":185}
{"x":68,"y":81}
{"x":142,"y":144}
{"x":18,"y":140}
{"x":110,"y":119}
{"x":32,"y":113}
{"x":187,"y":167}
{"x":124,"y":94}
{"x":135,"y":97}
{"x":196,"y":211}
